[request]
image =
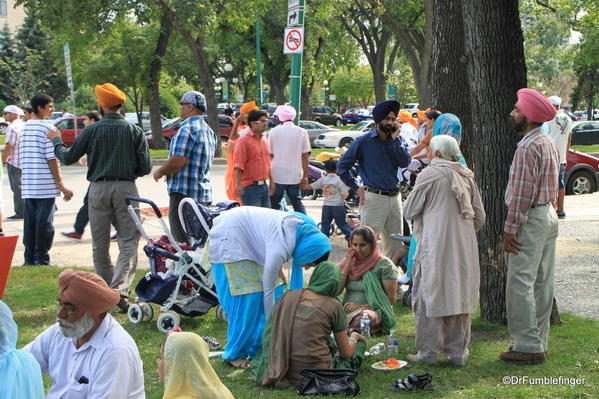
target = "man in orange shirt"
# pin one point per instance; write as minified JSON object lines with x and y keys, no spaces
{"x":252,"y":163}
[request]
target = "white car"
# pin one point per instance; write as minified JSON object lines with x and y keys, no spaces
{"x":145,"y":119}
{"x":343,"y":138}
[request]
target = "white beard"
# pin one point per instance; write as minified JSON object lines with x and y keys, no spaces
{"x":77,"y":329}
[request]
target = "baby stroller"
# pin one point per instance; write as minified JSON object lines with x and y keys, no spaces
{"x":177,"y":281}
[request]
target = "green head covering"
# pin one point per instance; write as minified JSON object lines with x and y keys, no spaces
{"x":325,"y":279}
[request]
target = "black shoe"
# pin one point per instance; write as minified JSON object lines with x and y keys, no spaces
{"x":123,"y":304}
{"x":14,"y":217}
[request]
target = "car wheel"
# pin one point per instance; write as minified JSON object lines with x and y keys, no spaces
{"x":346,"y":142}
{"x":338,"y":122}
{"x":581,"y":182}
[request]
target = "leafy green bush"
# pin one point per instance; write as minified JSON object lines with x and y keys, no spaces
{"x":169,"y":106}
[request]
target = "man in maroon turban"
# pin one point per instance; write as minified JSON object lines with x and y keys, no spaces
{"x":87,"y":353}
{"x":530,"y":230}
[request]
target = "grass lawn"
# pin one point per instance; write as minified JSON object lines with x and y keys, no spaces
{"x":2,"y":137}
{"x":574,"y":351}
{"x":586,"y":148}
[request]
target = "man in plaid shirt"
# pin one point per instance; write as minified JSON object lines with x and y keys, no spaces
{"x":190,"y":159}
{"x":530,"y":230}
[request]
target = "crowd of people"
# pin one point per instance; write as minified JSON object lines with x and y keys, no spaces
{"x":279,"y":325}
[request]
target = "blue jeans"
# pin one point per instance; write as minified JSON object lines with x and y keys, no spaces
{"x":38,"y":231}
{"x":256,"y":195}
{"x":294,"y":194}
{"x":334,"y":212}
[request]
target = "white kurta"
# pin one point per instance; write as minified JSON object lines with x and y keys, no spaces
{"x":447,"y":255}
{"x":109,"y":361}
{"x":264,"y":236}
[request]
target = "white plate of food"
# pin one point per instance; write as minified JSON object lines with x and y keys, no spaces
{"x":389,"y":364}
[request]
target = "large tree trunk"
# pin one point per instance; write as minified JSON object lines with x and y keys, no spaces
{"x":166,"y":28}
{"x":380,"y":81}
{"x":450,"y":91}
{"x":277,"y":89}
{"x":306,"y":109}
{"x":496,"y":70}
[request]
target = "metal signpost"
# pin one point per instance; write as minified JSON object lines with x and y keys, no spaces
{"x":67,"y":63}
{"x":294,"y":45}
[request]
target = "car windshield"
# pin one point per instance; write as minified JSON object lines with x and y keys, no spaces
{"x":170,"y":122}
{"x":319,"y":126}
{"x":360,"y":126}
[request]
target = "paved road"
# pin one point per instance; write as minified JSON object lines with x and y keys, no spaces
{"x":576,"y":277}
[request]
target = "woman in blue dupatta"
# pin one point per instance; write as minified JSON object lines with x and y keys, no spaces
{"x":450,"y":125}
{"x":20,"y":373}
{"x":248,"y":248}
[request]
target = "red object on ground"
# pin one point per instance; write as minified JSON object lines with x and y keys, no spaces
{"x":7,"y":250}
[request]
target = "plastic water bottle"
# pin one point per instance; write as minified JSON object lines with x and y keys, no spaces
{"x":392,"y":343}
{"x":365,"y":325}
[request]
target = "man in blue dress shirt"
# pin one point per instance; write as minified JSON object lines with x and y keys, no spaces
{"x":379,"y":153}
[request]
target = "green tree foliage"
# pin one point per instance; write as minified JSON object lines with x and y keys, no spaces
{"x":169,"y":106}
{"x":353,"y":86}
{"x":7,"y":52}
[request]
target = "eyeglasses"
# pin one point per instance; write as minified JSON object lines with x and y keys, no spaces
{"x":260,"y":121}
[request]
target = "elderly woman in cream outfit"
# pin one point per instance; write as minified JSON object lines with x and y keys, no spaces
{"x":447,"y":211}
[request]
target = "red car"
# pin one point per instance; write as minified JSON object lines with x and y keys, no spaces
{"x":171,"y":127}
{"x":66,"y":125}
{"x":582,"y":173}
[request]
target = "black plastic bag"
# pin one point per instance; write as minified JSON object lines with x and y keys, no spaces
{"x":328,"y":382}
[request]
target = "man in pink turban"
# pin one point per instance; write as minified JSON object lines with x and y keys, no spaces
{"x":87,"y":353}
{"x":530,"y":230}
{"x":290,"y":149}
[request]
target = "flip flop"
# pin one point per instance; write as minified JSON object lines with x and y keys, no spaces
{"x":413,"y":382}
{"x":242,"y":363}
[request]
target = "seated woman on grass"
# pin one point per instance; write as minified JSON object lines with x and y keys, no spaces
{"x":370,"y":283}
{"x":297,"y":335}
{"x":184,"y":368}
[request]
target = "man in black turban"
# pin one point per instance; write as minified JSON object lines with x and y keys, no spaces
{"x":380,"y":153}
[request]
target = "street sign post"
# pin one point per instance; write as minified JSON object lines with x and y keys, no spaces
{"x":67,"y":63}
{"x":294,"y":45}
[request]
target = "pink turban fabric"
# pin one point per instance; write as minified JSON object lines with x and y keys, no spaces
{"x":285,"y":113}
{"x":87,"y":291}
{"x":535,"y":106}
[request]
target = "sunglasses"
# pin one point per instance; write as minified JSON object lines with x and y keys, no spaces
{"x":184,"y":103}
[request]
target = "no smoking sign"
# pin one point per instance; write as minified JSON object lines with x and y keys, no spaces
{"x":294,"y":41}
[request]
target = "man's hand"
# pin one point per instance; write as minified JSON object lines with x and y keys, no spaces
{"x":67,"y":194}
{"x":361,"y":191}
{"x":53,"y":134}
{"x":271,"y":188}
{"x":511,"y":244}
{"x":350,"y":307}
{"x":395,"y":134}
{"x":358,"y":337}
{"x":303,"y":183}
{"x":157,"y":175}
{"x":239,"y":190}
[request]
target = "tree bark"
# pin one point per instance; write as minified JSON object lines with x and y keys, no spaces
{"x":166,"y":28}
{"x":450,"y":91}
{"x":496,"y":70}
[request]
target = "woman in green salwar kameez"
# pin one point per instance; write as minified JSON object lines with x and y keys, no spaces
{"x":297,"y":335}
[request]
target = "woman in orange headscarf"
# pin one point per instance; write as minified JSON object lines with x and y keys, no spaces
{"x":239,"y":128}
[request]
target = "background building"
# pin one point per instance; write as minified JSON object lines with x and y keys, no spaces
{"x":11,"y":15}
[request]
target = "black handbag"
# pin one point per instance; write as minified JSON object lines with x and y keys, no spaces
{"x":328,"y":382}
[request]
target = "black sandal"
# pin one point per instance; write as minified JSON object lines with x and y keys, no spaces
{"x":414,"y":382}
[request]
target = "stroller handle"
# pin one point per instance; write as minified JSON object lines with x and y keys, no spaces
{"x":145,"y":201}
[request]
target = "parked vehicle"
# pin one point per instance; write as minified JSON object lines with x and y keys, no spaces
{"x":412,"y":108}
{"x":581,"y":115}
{"x":269,"y":108}
{"x":145,"y":119}
{"x":3,"y":125}
{"x":585,"y":133}
{"x":582,"y":173}
{"x":56,"y":115}
{"x":171,"y":127}
{"x":315,"y":129}
{"x":66,"y":125}
{"x":326,"y":116}
{"x":343,"y":138}
{"x":356,"y":115}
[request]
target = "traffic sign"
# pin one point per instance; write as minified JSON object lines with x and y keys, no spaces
{"x":293,"y":17}
{"x":294,"y":41}
{"x":293,"y":3}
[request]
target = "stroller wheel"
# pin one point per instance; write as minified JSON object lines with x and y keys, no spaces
{"x":167,"y":321}
{"x":220,"y":313}
{"x":147,"y":310}
{"x":135,"y":314}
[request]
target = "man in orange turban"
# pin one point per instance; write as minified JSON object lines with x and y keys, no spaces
{"x":87,"y":353}
{"x":109,"y":95}
{"x":117,"y":154}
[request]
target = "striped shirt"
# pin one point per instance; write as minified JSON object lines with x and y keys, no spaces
{"x":35,"y":150}
{"x":533,"y":178}
{"x":13,"y":132}
{"x":195,"y":141}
